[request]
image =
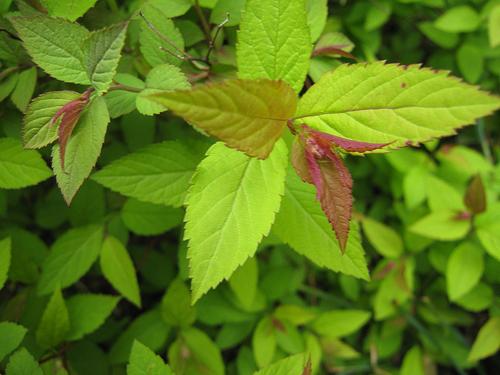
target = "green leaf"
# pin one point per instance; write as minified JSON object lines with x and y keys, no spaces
{"x":148,"y":219}
{"x":172,"y":8}
{"x":287,"y":366}
{"x":19,"y":167}
{"x":122,"y":102}
{"x":25,"y":88}
{"x":317,"y":12}
{"x":118,"y":269}
{"x":23,"y":363}
{"x":441,"y":38}
{"x":442,"y":226}
{"x":243,"y":282}
{"x":464,"y":270}
{"x":494,"y":26}
{"x":54,"y":325}
{"x":302,"y":224}
{"x":149,"y":328}
{"x":176,"y":306}
{"x":159,"y":173}
{"x":5,"y":255}
{"x":82,"y":150}
{"x":224,"y":7}
{"x":378,"y":14}
{"x":470,"y":61}
{"x":274,"y":41}
{"x":7,"y":85}
{"x":490,"y":239}
{"x":143,"y":361}
{"x":413,"y":362}
{"x":487,"y":341}
{"x":70,"y":257}
{"x":384,"y":239}
{"x":477,"y":299}
{"x":163,"y":77}
{"x":247,"y":115}
{"x":340,"y":323}
{"x":204,"y":356}
{"x":228,"y":213}
{"x":68,"y":9}
{"x":264,"y":342}
{"x":38,"y":130}
{"x":55,"y":46}
{"x":12,"y":335}
{"x":389,"y":103}
{"x":442,"y":196}
{"x":155,"y":48}
{"x":103,"y":51}
{"x":87,"y":312}
{"x":462,"y":18}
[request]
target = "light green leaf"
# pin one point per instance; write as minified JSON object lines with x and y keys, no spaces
{"x":19,"y":167}
{"x":470,"y":61}
{"x":384,"y":239}
{"x":82,"y":150}
{"x":159,"y":173}
{"x":414,"y":186}
{"x":317,"y":12}
{"x":413,"y":362}
{"x":389,"y":103}
{"x":149,"y":328}
{"x":12,"y":335}
{"x":155,"y":48}
{"x":176,"y":306}
{"x":228,"y":213}
{"x":103,"y":51}
{"x":163,"y":77}
{"x":243,"y":282}
{"x":462,"y":18}
{"x":148,"y":219}
{"x":274,"y":41}
{"x":464,"y":270}
{"x":54,"y":325}
{"x":87,"y":312}
{"x":25,"y":88}
{"x":70,"y":257}
{"x":248,"y":115}
{"x":143,"y":361}
{"x":23,"y":363}
{"x":287,"y":366}
{"x":38,"y":131}
{"x":7,"y":85}
{"x":118,"y":269}
{"x":339,"y":323}
{"x":442,"y":225}
{"x":378,"y":14}
{"x":55,"y":45}
{"x":494,"y":26}
{"x":302,"y":224}
{"x":487,"y":341}
{"x":68,"y":9}
{"x":490,"y":239}
{"x":441,"y":196}
{"x":264,"y":342}
{"x":477,"y":299}
{"x":5,"y":255}
{"x":204,"y":358}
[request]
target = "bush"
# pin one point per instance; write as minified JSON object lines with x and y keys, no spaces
{"x":247,"y":187}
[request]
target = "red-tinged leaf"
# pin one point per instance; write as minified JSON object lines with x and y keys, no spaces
{"x":334,"y":50}
{"x":334,"y":187}
{"x":308,"y":367}
{"x":349,"y":145}
{"x":299,"y":161}
{"x":69,"y":115}
{"x":475,"y":197}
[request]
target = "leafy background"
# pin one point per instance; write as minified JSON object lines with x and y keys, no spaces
{"x":71,"y":302}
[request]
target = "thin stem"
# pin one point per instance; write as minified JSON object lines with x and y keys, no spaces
{"x":211,"y":44}
{"x":119,"y":86}
{"x":204,"y":23}
{"x":8,"y":72}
